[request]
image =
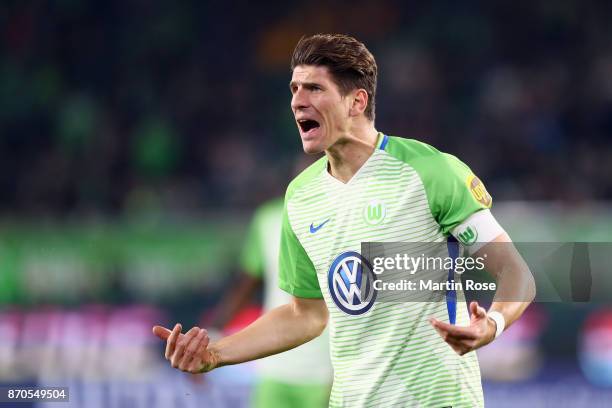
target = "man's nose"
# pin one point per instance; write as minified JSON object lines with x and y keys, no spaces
{"x":299,"y":100}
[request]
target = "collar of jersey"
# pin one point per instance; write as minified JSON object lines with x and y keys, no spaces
{"x":381,"y":143}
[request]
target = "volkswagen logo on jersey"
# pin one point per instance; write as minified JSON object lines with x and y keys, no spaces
{"x":351,"y":286}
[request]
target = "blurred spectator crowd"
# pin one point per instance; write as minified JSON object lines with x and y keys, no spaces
{"x":108,"y":108}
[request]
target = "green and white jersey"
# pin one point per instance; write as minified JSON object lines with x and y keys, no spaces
{"x":308,"y":363}
{"x":383,"y":354}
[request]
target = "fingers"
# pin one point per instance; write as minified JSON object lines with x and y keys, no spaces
{"x":187,"y":352}
{"x":181,"y":345}
{"x":200,"y":356}
{"x":191,"y":350}
{"x":451,"y":331}
{"x":172,"y":339}
{"x":460,"y":346}
{"x":161,"y":332}
{"x":464,"y":339}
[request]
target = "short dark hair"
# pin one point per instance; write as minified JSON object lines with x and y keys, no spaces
{"x":350,"y":63}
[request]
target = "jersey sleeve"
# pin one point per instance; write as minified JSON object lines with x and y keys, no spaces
{"x":297,"y":274}
{"x":252,"y":255}
{"x":453,"y":191}
{"x":460,"y":203}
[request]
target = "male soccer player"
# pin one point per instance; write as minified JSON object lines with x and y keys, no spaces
{"x":370,"y":187}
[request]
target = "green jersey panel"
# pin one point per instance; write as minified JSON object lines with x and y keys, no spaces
{"x":297,"y":274}
{"x":453,"y":192}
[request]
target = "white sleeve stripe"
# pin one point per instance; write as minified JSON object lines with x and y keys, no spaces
{"x":477,"y":230}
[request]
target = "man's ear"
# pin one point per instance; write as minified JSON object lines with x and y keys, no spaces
{"x":359,"y":102}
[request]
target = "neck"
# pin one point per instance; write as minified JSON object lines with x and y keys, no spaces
{"x":351,"y":151}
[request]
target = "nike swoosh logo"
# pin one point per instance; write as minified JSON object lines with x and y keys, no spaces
{"x":314,"y":229}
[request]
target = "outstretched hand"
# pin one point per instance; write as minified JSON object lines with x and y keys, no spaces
{"x":187,"y":352}
{"x":480,"y":332}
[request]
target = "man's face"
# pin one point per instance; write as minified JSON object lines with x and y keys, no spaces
{"x":320,"y":110}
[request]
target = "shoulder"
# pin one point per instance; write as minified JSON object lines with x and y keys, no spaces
{"x":408,"y":150}
{"x":303,"y":179}
{"x":422,"y":157}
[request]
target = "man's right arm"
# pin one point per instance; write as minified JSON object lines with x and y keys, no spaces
{"x":278,"y":330}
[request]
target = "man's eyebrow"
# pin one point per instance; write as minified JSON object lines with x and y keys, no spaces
{"x":304,"y":84}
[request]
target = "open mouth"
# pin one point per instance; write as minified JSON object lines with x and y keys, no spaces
{"x":308,"y":124}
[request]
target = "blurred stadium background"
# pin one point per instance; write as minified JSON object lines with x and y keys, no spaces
{"x":137,"y":137}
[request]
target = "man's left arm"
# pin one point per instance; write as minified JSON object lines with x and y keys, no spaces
{"x":515,"y":291}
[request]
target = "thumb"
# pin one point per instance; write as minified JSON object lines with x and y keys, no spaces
{"x":161,"y":332}
{"x":476,"y":310}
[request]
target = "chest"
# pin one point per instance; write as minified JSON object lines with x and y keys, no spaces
{"x":382,"y":207}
